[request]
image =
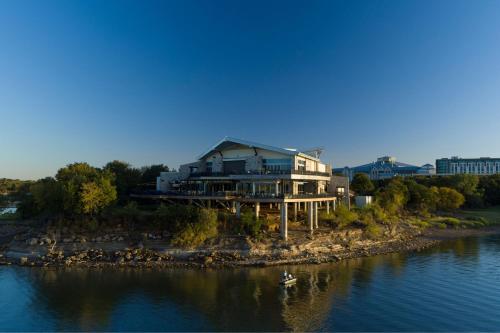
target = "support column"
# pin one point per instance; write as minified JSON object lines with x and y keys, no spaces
{"x":277,"y":189}
{"x":233,"y":207}
{"x":316,"y":215}
{"x":334,"y":205}
{"x":328,"y":207}
{"x":284,"y":221}
{"x":209,"y":204}
{"x":253,"y":188}
{"x":257,"y":209}
{"x":295,"y":211}
{"x":310,"y":217}
{"x":238,"y":209}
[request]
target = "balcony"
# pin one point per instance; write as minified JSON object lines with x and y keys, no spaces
{"x":263,"y":172}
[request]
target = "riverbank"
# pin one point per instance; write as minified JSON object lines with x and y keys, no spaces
{"x":22,"y":246}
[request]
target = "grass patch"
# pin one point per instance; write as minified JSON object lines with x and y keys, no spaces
{"x":489,"y":215}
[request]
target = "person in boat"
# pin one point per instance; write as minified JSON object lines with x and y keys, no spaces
{"x":285,"y":275}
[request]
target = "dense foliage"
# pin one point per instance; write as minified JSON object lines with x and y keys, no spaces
{"x":478,"y":191}
{"x":191,"y":226}
{"x":362,"y":184}
{"x":80,"y":190}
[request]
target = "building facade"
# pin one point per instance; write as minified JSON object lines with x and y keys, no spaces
{"x":475,"y":166}
{"x":386,"y":167}
{"x":244,"y":168}
{"x":237,"y":172}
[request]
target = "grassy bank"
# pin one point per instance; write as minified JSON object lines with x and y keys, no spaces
{"x":491,"y":214}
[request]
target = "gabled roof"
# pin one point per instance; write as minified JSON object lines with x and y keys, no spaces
{"x":228,"y":141}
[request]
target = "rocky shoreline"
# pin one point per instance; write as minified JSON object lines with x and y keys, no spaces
{"x":117,"y":250}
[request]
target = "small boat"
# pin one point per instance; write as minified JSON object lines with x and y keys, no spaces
{"x":287,"y":279}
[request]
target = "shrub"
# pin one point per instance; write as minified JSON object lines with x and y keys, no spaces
{"x":373,"y":230}
{"x":197,"y":232}
{"x":175,"y":217}
{"x":249,"y":225}
{"x":327,"y":218}
{"x":419,"y":223}
{"x":344,"y":217}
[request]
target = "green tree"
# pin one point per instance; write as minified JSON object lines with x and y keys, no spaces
{"x":47,"y":196}
{"x":149,"y":173}
{"x":361,"y":184}
{"x":393,"y":197}
{"x":97,"y":195}
{"x":490,"y":185}
{"x":126,"y":177}
{"x":421,"y":198}
{"x":86,"y":190}
{"x":448,"y":198}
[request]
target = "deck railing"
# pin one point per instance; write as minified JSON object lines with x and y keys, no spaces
{"x":263,"y":172}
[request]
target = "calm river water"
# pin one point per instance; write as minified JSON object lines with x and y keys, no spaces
{"x":453,"y":287}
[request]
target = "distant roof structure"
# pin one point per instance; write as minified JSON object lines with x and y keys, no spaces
{"x":229,"y":141}
{"x":381,"y":162}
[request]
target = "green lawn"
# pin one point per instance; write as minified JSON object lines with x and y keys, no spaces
{"x":492,"y":214}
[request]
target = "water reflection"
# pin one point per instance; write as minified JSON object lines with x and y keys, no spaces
{"x":232,"y":299}
{"x":86,"y":299}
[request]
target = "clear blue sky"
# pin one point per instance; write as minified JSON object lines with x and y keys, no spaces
{"x":160,"y":81}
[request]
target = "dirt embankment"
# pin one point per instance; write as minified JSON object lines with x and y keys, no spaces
{"x":32,"y":247}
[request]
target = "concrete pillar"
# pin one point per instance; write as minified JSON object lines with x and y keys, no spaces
{"x":233,"y":207}
{"x":310,"y":217}
{"x":277,"y":189}
{"x":204,"y":187}
{"x":328,"y":207}
{"x":238,"y":209}
{"x":284,"y":221}
{"x":295,"y":211}
{"x":209,"y":204}
{"x":257,"y":209}
{"x":271,"y":205}
{"x":316,"y":215}
{"x":253,"y":188}
{"x":334,"y":205}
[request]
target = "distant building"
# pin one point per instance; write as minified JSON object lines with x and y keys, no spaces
{"x":386,"y":167}
{"x":475,"y":166}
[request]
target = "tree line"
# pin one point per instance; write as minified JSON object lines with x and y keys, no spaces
{"x":431,"y":193}
{"x":80,"y":189}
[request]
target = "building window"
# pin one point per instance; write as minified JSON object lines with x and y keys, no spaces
{"x":340,"y":191}
{"x":277,"y":164}
{"x":301,"y":165}
{"x":209,"y":167}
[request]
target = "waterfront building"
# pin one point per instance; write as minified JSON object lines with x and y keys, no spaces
{"x":237,"y":172}
{"x":386,"y":167}
{"x":475,"y":166}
